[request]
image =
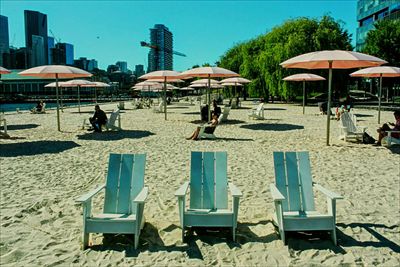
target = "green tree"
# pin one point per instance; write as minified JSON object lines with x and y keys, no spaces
{"x":384,"y":41}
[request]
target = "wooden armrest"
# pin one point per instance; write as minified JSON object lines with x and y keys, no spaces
{"x":330,"y":194}
{"x":235,"y":192}
{"x":141,"y":197}
{"x":276,"y":194}
{"x":181,"y":192}
{"x":89,"y":195}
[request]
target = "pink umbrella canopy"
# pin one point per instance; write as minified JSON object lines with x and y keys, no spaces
{"x":77,"y":83}
{"x":332,"y":59}
{"x":373,"y":72}
{"x":171,"y":80}
{"x":4,"y":70}
{"x":205,"y":81}
{"x":235,"y":80}
{"x":166,"y":75}
{"x":231,"y":84}
{"x":303,"y":77}
{"x":209,"y":72}
{"x":56,"y":72}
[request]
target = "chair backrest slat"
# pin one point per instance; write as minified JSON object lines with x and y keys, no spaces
{"x":125,"y":180}
{"x":113,"y":117}
{"x":196,"y":173}
{"x":208,"y":181}
{"x":307,"y":194}
{"x":348,"y":123}
{"x":293,"y":181}
{"x":280,"y":177}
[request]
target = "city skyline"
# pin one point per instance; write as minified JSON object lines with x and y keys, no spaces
{"x":203,"y":30}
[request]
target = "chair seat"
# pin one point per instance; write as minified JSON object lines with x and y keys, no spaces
{"x":208,"y":211}
{"x":113,"y":217}
{"x":304,"y":214}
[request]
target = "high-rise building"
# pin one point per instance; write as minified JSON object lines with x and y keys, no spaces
{"x":139,"y":70}
{"x":85,"y":64}
{"x":36,"y":38}
{"x":370,"y":11}
{"x":50,"y":45}
{"x":123,"y":66}
{"x":63,"y":54}
{"x":160,"y":58}
{"x":4,"y":39}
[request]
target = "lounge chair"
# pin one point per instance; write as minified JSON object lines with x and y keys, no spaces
{"x":208,"y":194}
{"x":389,"y":139}
{"x":207,"y":132}
{"x":159,"y":108}
{"x":293,"y":196}
{"x":257,"y":113}
{"x":348,"y":128}
{"x":4,"y":122}
{"x":114,"y":116}
{"x":125,"y":196}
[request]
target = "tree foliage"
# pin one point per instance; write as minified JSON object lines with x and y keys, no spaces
{"x":384,"y":41}
{"x":259,"y":58}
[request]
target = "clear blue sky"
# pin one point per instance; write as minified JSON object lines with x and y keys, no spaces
{"x":111,"y":31}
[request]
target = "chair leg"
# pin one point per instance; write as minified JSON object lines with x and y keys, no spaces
{"x":136,"y":241}
{"x":333,"y":236}
{"x":282,"y":234}
{"x":85,"y":240}
{"x":233,"y":234}
{"x":183,"y":234}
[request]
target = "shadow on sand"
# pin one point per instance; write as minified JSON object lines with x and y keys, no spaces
{"x":274,"y":108}
{"x":20,"y":126}
{"x":35,"y":148}
{"x":113,"y":136}
{"x":272,"y":127}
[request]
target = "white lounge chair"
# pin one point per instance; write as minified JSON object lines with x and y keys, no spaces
{"x":348,"y":128}
{"x":110,"y":125}
{"x":257,"y":113}
{"x":159,"y":108}
{"x":389,"y":139}
{"x":224,"y":115}
{"x":4,"y":122}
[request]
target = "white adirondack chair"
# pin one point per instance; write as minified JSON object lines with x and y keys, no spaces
{"x":208,"y":194}
{"x":224,"y":115}
{"x":293,"y":196}
{"x":4,"y":122}
{"x":348,"y":128}
{"x":159,"y":108}
{"x":389,"y":139}
{"x":258,"y":113}
{"x":125,"y":196}
{"x":114,"y":116}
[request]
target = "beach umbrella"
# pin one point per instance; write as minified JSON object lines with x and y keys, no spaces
{"x":56,"y":72}
{"x":166,"y":76}
{"x":332,"y":59}
{"x":96,"y":85}
{"x":236,"y":81}
{"x":77,"y":83}
{"x":373,"y":72}
{"x":4,"y":70}
{"x":205,"y":81}
{"x":209,"y":72}
{"x":303,"y":77}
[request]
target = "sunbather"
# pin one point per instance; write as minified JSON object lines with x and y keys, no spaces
{"x":385,"y":127}
{"x":210,"y":127}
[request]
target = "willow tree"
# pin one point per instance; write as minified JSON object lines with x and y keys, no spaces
{"x":259,"y":58}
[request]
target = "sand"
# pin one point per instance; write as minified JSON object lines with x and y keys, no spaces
{"x":43,"y":171}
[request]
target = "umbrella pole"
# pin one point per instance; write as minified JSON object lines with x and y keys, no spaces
{"x":379,"y":98}
{"x":209,"y":100}
{"x":328,"y":112}
{"x":304,"y":96}
{"x":165,"y":97}
{"x":79,"y":100}
{"x":95,"y":95}
{"x":58,"y":105}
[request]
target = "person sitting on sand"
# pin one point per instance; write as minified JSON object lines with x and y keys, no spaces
{"x":39,"y":107}
{"x":98,"y":120}
{"x":382,"y":131}
{"x":209,"y":128}
{"x":217,"y":110}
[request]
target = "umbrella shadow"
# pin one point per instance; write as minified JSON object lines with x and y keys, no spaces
{"x":382,"y":242}
{"x":232,"y":122}
{"x":230,"y":139}
{"x":21,"y":126}
{"x":272,"y":127}
{"x":35,"y":148}
{"x":191,"y":113}
{"x":177,"y":107}
{"x":115,"y":135}
{"x":274,"y":108}
{"x":363,"y":115}
{"x":82,"y":112}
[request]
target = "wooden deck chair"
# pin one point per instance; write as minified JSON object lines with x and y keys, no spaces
{"x":110,"y":125}
{"x":125,"y":196}
{"x":208,"y":194}
{"x":389,"y":139}
{"x":4,"y":122}
{"x":348,"y":128}
{"x":294,"y":199}
{"x":224,"y":115}
{"x":258,"y":113}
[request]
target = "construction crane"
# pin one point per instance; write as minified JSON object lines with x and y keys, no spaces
{"x":155,"y":47}
{"x":58,"y":40}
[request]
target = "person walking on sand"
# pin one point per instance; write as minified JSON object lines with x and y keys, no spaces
{"x":98,"y":120}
